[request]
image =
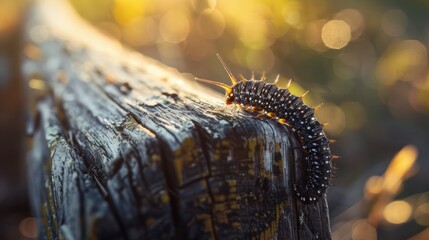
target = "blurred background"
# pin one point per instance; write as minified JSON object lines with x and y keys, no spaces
{"x":367,"y":61}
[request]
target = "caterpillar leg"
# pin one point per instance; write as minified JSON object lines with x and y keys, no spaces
{"x":256,"y":109}
{"x":260,"y":115}
{"x":284,"y":122}
{"x":237,"y":108}
{"x":271,"y":114}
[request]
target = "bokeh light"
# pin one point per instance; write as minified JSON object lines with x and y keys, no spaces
{"x":211,"y":23}
{"x":125,"y":11}
{"x":374,"y":185}
{"x":37,"y":84}
{"x":354,"y":20}
{"x":399,"y":167}
{"x":362,"y":230}
{"x":397,"y":212}
{"x":421,"y":214}
{"x":393,"y":22}
{"x":313,"y":35}
{"x":141,"y":31}
{"x":333,"y":116}
{"x":28,"y":227}
{"x":404,"y":60}
{"x":336,"y":34}
{"x":293,"y":13}
{"x":174,"y":26}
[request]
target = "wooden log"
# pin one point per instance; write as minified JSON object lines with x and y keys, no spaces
{"x":124,"y":148}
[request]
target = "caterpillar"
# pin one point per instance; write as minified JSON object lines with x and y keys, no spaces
{"x":279,"y":104}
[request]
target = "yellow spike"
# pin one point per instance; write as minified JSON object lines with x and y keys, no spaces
{"x":303,"y":95}
{"x":253,"y":75}
{"x":335,"y":157}
{"x":289,"y":83}
{"x":233,"y":79}
{"x":219,"y":84}
{"x":332,"y":140}
{"x":317,"y":107}
{"x":242,"y":78}
{"x":263,"y":76}
{"x":277,"y":79}
{"x":325,"y":124}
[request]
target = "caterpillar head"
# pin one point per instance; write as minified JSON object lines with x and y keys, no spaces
{"x":229,"y":94}
{"x":229,"y":97}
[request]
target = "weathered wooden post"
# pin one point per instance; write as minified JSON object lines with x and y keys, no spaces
{"x":123,"y":148}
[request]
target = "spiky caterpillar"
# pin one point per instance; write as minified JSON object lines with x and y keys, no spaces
{"x":279,"y":104}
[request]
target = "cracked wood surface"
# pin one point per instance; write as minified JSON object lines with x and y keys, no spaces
{"x":123,"y":148}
